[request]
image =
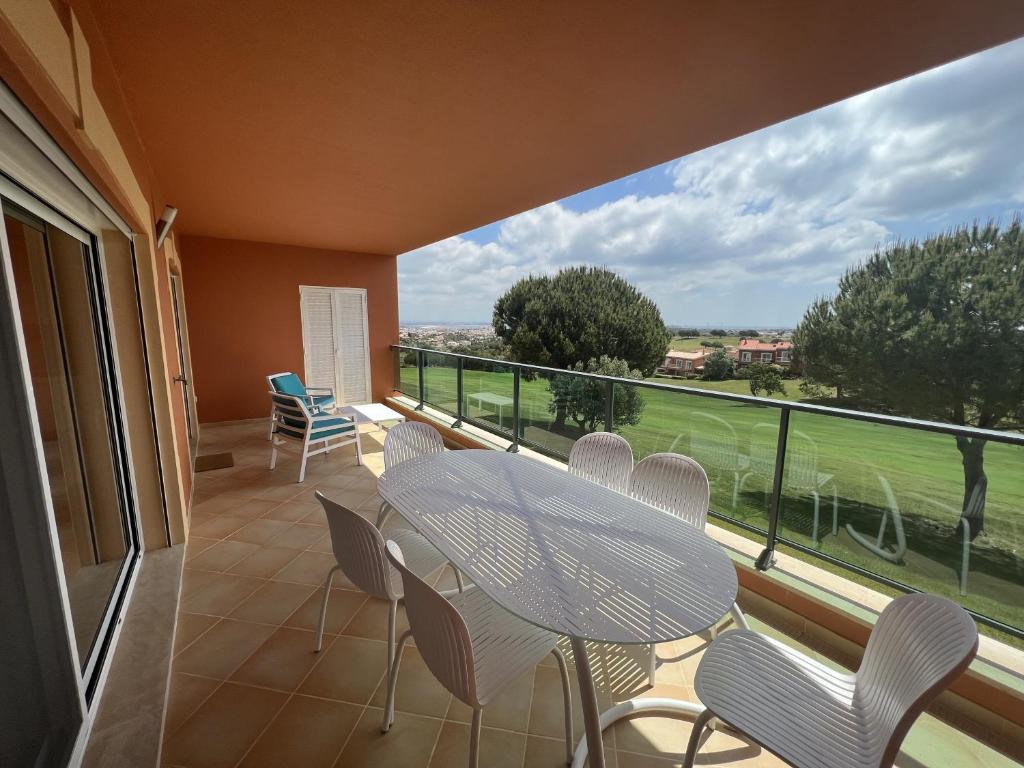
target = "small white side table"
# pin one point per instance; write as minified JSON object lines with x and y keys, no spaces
{"x":377,"y":413}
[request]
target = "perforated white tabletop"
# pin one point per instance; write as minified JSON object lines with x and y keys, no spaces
{"x":561,"y":552}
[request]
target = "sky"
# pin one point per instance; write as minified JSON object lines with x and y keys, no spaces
{"x":749,"y":232}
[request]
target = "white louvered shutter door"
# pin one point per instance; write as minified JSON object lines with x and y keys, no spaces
{"x":353,"y":346}
{"x":318,"y":337}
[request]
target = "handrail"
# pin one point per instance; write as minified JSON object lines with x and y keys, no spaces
{"x":1014,"y":438}
{"x":772,"y":536}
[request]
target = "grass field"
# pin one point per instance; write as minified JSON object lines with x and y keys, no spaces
{"x":736,"y":386}
{"x":692,"y":344}
{"x":848,"y":460}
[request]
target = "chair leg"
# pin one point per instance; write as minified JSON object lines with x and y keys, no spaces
{"x":738,"y":617}
{"x":698,"y":729}
{"x":302,"y":465}
{"x":735,"y":488}
{"x":271,"y":435}
{"x":323,"y":607}
{"x":359,"y":449}
{"x":389,"y":707}
{"x":817,"y":512}
{"x":273,"y":456}
{"x":835,"y":510}
{"x":458,"y":578}
{"x":383,"y":514}
{"x":563,"y":669}
{"x":392,"y":622}
{"x":474,"y":738}
{"x":653,"y":669}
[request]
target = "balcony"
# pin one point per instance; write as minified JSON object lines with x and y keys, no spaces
{"x":247,"y":688}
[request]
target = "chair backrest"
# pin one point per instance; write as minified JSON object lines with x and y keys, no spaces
{"x":603,"y":458}
{"x":287,"y":384}
{"x":920,"y":644}
{"x":764,"y":444}
{"x":359,"y":549}
{"x":291,"y":415}
{"x":411,"y":439}
{"x":674,"y":483}
{"x":713,"y":441}
{"x":441,"y":635}
{"x":801,"y":461}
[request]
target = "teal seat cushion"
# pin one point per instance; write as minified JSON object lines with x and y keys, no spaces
{"x":323,"y":426}
{"x":289,"y":384}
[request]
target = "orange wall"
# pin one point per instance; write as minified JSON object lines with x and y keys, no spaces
{"x":242,"y":301}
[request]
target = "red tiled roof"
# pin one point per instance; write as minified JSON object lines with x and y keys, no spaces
{"x":755,"y":345}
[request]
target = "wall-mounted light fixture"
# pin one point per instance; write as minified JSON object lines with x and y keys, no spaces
{"x":163,"y":226}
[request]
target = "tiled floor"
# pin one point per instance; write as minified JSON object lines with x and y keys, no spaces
{"x":248,"y":689}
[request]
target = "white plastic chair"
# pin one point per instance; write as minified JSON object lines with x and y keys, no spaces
{"x":678,"y":485}
{"x":603,"y":458}
{"x":975,"y":508}
{"x":288,"y":383}
{"x":894,"y":553}
{"x":714,"y":443}
{"x":473,"y":646}
{"x":295,"y":427}
{"x":407,"y":441}
{"x":359,"y":552}
{"x":814,"y":717}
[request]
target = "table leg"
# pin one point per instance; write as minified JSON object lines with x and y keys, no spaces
{"x":591,"y":715}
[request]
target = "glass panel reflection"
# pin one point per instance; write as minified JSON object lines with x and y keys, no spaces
{"x":55,"y":291}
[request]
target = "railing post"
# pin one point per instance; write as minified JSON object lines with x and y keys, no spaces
{"x":767,"y":558}
{"x":514,"y":448}
{"x":609,"y":406}
{"x":419,"y":371}
{"x":458,"y":393}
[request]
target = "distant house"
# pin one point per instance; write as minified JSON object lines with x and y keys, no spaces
{"x":776,"y":352}
{"x":678,"y":363}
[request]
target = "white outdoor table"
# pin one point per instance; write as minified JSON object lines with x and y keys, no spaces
{"x":499,"y":402}
{"x":570,"y":556}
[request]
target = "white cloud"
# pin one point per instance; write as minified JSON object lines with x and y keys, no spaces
{"x":754,"y":228}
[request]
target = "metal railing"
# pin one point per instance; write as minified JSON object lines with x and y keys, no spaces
{"x":772,"y":534}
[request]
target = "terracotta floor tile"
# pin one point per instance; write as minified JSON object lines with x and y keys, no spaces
{"x":635,"y":760}
{"x":222,"y":555}
{"x":408,"y":744}
{"x":546,"y":713}
{"x":498,"y":749}
{"x":218,"y":527}
{"x":222,"y":649}
{"x":323,"y":544}
{"x":371,"y":621}
{"x":197,"y":544}
{"x":510,"y":710}
{"x":220,"y":596}
{"x":220,"y":504}
{"x":653,"y":735}
{"x":223,"y":728}
{"x":272,"y":603}
{"x":299,"y":536}
{"x":342,"y":606}
{"x":350,"y":670}
{"x":264,"y":562}
{"x":283,"y":660}
{"x":349,"y":497}
{"x":308,"y":732}
{"x":192,"y":582}
{"x":311,"y":568}
{"x":187,"y":692}
{"x":278,"y":492}
{"x":290,"y":511}
{"x":189,"y":627}
{"x":550,"y":753}
{"x":315,"y":514}
{"x":418,"y":691}
{"x":262,"y":531}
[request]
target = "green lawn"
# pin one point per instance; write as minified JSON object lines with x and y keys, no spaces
{"x":692,"y":344}
{"x":736,"y":386}
{"x":849,"y":460}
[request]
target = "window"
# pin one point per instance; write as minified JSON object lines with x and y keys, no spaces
{"x":745,"y":357}
{"x":688,"y":365}
{"x":766,"y":357}
{"x":784,"y":356}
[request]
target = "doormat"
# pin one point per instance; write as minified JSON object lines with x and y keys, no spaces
{"x":214,"y":461}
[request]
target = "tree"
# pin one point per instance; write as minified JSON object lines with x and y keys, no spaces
{"x":715,"y":344}
{"x":683,"y":332}
{"x":766,"y":377}
{"x":748,"y":334}
{"x":717,"y":332}
{"x":718,"y":366}
{"x":931,"y":330}
{"x":583,"y":398}
{"x":582,"y":313}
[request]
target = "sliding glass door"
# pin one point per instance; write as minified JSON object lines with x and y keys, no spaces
{"x":56,"y":277}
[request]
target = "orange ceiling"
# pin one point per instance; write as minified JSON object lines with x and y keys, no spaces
{"x":383,"y":126}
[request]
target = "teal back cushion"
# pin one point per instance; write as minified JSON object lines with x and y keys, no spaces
{"x":289,"y":384}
